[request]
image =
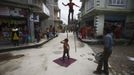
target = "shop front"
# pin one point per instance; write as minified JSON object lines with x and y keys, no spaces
{"x":11,"y":17}
{"x":116,"y":23}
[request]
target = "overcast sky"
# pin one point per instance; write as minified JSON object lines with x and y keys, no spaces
{"x":64,"y":9}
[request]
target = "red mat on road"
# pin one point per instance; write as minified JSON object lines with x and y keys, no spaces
{"x":64,"y":63}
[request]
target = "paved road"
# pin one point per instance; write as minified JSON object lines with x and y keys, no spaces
{"x":39,"y":61}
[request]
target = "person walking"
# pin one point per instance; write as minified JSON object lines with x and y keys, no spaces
{"x":50,"y":31}
{"x":108,"y":44}
{"x":37,"y":34}
{"x":66,"y":48}
{"x":71,"y":10}
{"x":47,"y":33}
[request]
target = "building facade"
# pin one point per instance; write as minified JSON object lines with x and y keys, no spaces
{"x":54,"y":18}
{"x":23,"y":14}
{"x":107,"y":13}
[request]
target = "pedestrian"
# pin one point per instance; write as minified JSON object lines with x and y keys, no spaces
{"x":71,"y":10}
{"x":66,"y":48}
{"x":82,"y":33}
{"x":53,"y":31}
{"x":25,"y":36}
{"x":50,"y":31}
{"x":37,"y":34}
{"x":15,"y":36}
{"x":47,"y":33}
{"x":108,"y":44}
{"x":118,"y":31}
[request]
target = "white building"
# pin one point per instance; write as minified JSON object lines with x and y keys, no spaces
{"x":54,"y":18}
{"x":99,"y":12}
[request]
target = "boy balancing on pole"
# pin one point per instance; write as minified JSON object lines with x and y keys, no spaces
{"x":71,"y":10}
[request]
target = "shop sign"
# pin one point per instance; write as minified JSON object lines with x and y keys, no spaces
{"x":4,"y":11}
{"x":34,"y":18}
{"x":17,"y":12}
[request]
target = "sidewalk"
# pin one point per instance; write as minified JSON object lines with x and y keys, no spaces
{"x":93,"y":41}
{"x":10,"y":47}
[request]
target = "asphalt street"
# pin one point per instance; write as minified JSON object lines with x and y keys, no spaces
{"x":40,"y":61}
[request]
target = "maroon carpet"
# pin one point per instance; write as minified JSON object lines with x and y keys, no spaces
{"x":64,"y":63}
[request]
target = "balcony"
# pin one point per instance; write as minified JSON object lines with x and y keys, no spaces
{"x":17,"y":1}
{"x":111,"y":5}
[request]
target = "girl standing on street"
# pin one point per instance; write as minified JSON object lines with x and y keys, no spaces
{"x":66,"y":48}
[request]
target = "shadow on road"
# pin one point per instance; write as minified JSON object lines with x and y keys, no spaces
{"x":9,"y":56}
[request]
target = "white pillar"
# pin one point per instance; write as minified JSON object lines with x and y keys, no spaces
{"x":99,"y":23}
{"x":32,"y":31}
{"x":31,"y":27}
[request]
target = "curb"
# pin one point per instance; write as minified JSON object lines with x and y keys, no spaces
{"x":90,"y":42}
{"x":25,"y":47}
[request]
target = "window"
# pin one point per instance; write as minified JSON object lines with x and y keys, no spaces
{"x":117,"y":2}
{"x":90,"y":4}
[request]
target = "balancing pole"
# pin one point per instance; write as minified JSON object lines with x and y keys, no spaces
{"x":75,"y":37}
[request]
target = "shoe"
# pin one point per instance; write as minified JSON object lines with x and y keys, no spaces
{"x":103,"y":71}
{"x":106,"y":73}
{"x":97,"y":72}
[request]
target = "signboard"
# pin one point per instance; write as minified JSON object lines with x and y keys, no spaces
{"x":7,"y":11}
{"x":34,"y":18}
{"x":4,"y":11}
{"x":18,"y":12}
{"x":46,"y":10}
